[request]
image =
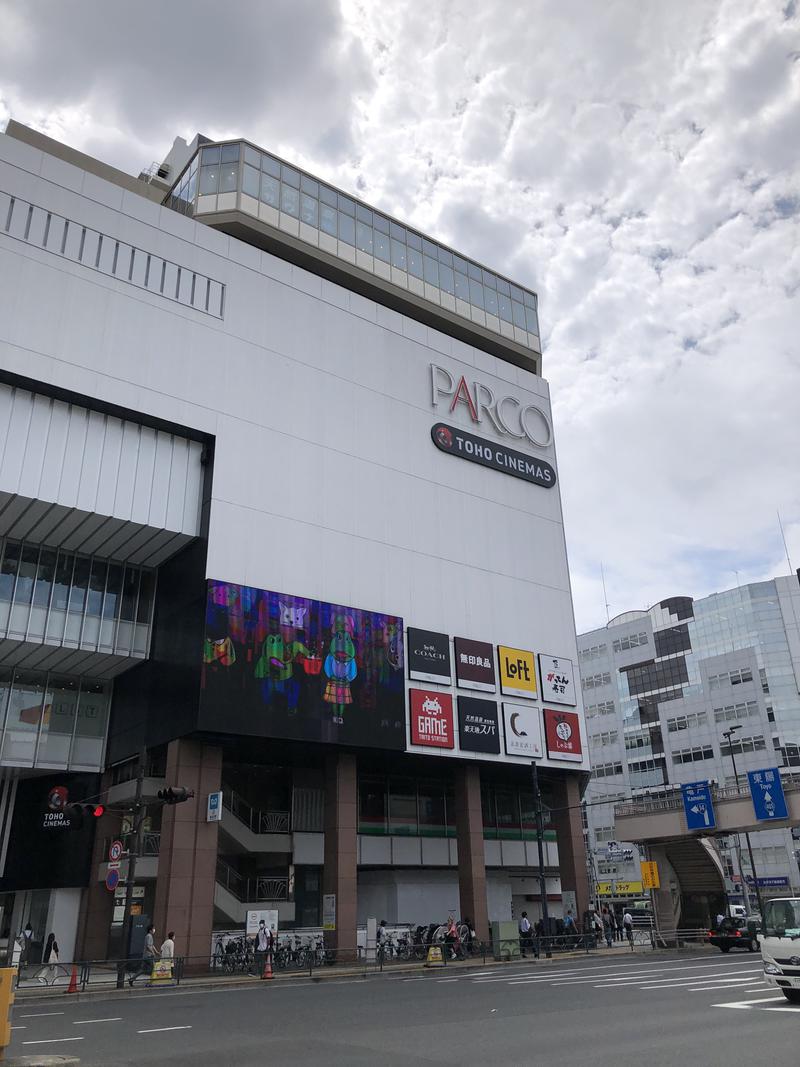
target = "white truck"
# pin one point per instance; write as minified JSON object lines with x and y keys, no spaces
{"x":780,"y":945}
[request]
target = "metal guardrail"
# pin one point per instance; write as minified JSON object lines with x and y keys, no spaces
{"x":252,"y":890}
{"x":259,"y":822}
{"x":674,"y":802}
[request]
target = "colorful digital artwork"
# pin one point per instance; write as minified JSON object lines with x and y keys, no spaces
{"x":276,"y":665}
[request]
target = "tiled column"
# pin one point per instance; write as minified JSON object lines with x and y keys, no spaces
{"x":188,"y":857}
{"x":341,"y":865}
{"x":566,"y":821}
{"x":471,"y":862}
{"x":97,"y":902}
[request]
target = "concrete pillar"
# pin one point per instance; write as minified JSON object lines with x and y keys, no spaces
{"x":340,"y":875}
{"x":188,"y":857}
{"x":97,"y":902}
{"x":471,"y":861}
{"x":566,"y":821}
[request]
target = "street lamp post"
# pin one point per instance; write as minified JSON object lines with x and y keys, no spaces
{"x":727,"y":734}
{"x":537,"y":800}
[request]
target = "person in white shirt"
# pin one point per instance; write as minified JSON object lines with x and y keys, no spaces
{"x":167,"y":949}
{"x":627,"y":926}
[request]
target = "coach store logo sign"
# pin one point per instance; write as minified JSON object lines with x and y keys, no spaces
{"x":428,"y":656}
{"x":506,"y":414}
{"x":489,"y":454}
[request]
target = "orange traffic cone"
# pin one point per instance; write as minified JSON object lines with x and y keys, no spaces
{"x":73,"y":981}
{"x":268,"y":967}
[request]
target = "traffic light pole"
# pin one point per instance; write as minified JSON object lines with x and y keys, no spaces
{"x":537,"y":800}
{"x":133,"y":855}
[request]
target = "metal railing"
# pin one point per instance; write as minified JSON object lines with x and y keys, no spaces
{"x":260,"y":822}
{"x":674,"y":800}
{"x":151,"y":843}
{"x":258,"y":889}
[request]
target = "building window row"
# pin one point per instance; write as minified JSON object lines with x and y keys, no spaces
{"x":693,"y":755}
{"x":60,"y":598}
{"x":604,"y":833}
{"x":606,"y":707}
{"x":772,"y":854}
{"x":636,"y":741}
{"x":672,"y":640}
{"x":595,"y":652}
{"x":609,"y":737}
{"x":745,"y":744}
{"x":595,"y":681}
{"x":730,"y":712}
{"x":734,"y":677}
{"x":763,"y":677}
{"x":687,"y":722}
{"x":640,"y":766}
{"x":652,"y":677}
{"x":622,"y":644}
{"x":606,"y":770}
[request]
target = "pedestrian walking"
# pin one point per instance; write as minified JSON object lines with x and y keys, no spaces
{"x":47,"y":975}
{"x":149,"y":956}
{"x":608,"y":927}
{"x":627,"y":925}
{"x":262,"y":945}
{"x":167,"y":950}
{"x":525,"y":929}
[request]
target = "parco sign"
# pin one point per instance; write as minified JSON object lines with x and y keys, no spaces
{"x":506,"y":414}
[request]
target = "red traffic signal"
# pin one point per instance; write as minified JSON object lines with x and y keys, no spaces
{"x":77,"y":812}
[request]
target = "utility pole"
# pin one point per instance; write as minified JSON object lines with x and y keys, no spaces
{"x":537,"y":799}
{"x":133,"y":854}
{"x":727,"y":734}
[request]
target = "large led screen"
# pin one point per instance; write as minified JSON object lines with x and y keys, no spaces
{"x":276,"y":665}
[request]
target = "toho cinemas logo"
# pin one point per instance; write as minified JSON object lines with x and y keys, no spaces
{"x":506,"y":414}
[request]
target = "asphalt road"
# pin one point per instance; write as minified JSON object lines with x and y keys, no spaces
{"x":663,"y":1009}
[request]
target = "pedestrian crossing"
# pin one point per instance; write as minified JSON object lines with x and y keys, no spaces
{"x":742,"y":979}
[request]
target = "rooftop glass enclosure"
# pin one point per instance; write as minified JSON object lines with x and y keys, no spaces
{"x":238,"y":177}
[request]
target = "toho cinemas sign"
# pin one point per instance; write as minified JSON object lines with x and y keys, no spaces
{"x":507,"y":415}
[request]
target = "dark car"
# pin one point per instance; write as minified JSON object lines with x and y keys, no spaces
{"x":735,"y":933}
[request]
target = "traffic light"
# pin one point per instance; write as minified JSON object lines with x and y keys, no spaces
{"x":175,"y":794}
{"x":76,"y":813}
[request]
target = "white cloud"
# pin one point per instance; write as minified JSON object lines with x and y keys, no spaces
{"x":636,"y":163}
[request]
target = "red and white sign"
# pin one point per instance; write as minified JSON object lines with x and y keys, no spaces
{"x":431,"y":718}
{"x":115,"y":850}
{"x":563,"y":734}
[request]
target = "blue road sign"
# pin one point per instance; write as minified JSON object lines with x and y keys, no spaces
{"x":112,"y":880}
{"x":698,"y":806}
{"x":766,"y":789}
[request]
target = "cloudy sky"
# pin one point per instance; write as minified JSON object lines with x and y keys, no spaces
{"x":635,"y":161}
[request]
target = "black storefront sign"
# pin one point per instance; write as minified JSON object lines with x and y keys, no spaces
{"x":478,"y":725}
{"x":490,"y":454}
{"x":428,"y":656}
{"x":474,"y":664}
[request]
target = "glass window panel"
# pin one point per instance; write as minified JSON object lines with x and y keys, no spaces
{"x":431,"y":809}
{"x":372,"y":806}
{"x":290,"y":176}
{"x":446,"y":257}
{"x":113,"y":591}
{"x":430,"y":270}
{"x":397,"y":232}
{"x":415,"y":262}
{"x":62,"y":581}
{"x":398,"y":254}
{"x":58,"y":721}
{"x":518,"y":312}
{"x":490,"y":297}
{"x":209,"y":180}
{"x":475,"y":293}
{"x":450,"y":809}
{"x":516,"y":293}
{"x":90,"y":727}
{"x":488,"y":811}
{"x":364,"y":237}
{"x":271,"y":166}
{"x":290,"y":200}
{"x":414,"y":241}
{"x":251,"y":181}
{"x":230,"y":153}
{"x":474,"y":271}
{"x":489,"y":279}
{"x":97,"y":585}
{"x":508,"y":819}
{"x":8,"y":570}
{"x":229,"y":179}
{"x":528,"y":299}
{"x":347,"y":229}
{"x":80,"y":582}
{"x":24,"y":718}
{"x":327,"y":219}
{"x":308,"y":185}
{"x":447,"y":279}
{"x":270,"y":190}
{"x":503,"y":306}
{"x":309,"y":210}
{"x":402,"y":806}
{"x":528,"y":809}
{"x":5,"y":688}
{"x":28,"y":563}
{"x":251,"y":156}
{"x":347,"y":205}
{"x":460,"y":264}
{"x":191,"y":187}
{"x":462,"y":286}
{"x":210,"y":155}
{"x":328,"y":196}
{"x":430,"y":249}
{"x":381,"y":246}
{"x":381,"y":224}
{"x":130,"y":591}
{"x":503,"y":287}
{"x":146,"y":591}
{"x":532,"y":319}
{"x":363,"y":214}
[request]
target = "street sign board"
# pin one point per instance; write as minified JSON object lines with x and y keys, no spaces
{"x":766,"y":789}
{"x":698,"y":806}
{"x":329,"y":911}
{"x":775,"y":882}
{"x":114,"y":865}
{"x":619,"y":889}
{"x":112,"y":880}
{"x":214,"y":808}
{"x":115,"y":851}
{"x":650,"y":878}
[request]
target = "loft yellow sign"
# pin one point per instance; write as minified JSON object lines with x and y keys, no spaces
{"x":619,"y":889}
{"x":650,"y":878}
{"x":517,"y":672}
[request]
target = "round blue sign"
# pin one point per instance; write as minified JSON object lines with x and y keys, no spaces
{"x":112,"y":880}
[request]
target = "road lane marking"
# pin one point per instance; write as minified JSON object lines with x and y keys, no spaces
{"x":52,"y":1040}
{"x":42,"y":1014}
{"x":163,"y":1029}
{"x":87,"y":1022}
{"x":440,"y":980}
{"x":782,"y":1009}
{"x":666,"y":983}
{"x":746,"y":1004}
